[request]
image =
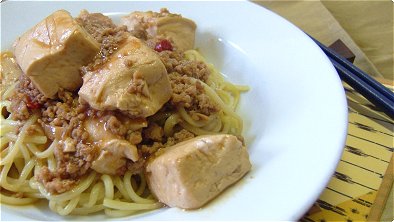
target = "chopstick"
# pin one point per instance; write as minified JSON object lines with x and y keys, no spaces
{"x":371,"y":89}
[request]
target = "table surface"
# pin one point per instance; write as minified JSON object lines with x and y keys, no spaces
{"x":361,"y":184}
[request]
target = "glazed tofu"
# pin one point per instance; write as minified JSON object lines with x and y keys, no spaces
{"x":134,"y":80}
{"x":113,"y":151}
{"x":191,"y":173}
{"x":52,"y":52}
{"x":113,"y":155}
{"x":163,"y":25}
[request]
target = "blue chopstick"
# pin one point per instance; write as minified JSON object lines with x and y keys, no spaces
{"x":370,"y":93}
{"x":371,"y":89}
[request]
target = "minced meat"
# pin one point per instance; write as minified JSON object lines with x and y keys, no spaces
{"x":96,"y":24}
{"x":26,"y":99}
{"x":153,"y":132}
{"x":175,"y":61}
{"x":105,"y":32}
{"x":52,"y":184}
{"x":190,"y":94}
{"x":180,"y":136}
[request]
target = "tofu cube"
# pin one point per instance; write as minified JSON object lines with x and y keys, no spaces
{"x":181,"y":31}
{"x":191,"y":173}
{"x":133,"y":80}
{"x":52,"y":52}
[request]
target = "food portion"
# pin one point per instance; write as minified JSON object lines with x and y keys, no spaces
{"x":189,"y":174}
{"x":160,"y":26}
{"x":116,"y":118}
{"x":133,"y":80}
{"x":10,"y":72}
{"x":52,"y":52}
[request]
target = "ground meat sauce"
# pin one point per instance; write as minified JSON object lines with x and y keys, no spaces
{"x":96,"y":24}
{"x":26,"y":99}
{"x":175,"y":62}
{"x":187,"y":92}
{"x":63,"y":118}
{"x":190,"y":94}
{"x":105,"y":32}
{"x":180,"y":136}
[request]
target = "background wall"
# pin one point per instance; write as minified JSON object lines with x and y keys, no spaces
{"x":366,"y":27}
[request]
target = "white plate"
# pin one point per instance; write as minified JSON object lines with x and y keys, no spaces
{"x":295,"y":113}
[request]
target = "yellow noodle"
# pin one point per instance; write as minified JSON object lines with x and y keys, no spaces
{"x":185,"y":116}
{"x":76,"y":191}
{"x":27,"y":170}
{"x":25,"y":152}
{"x":121,"y":205}
{"x":18,"y":183}
{"x":108,"y":186}
{"x":118,"y":213}
{"x":215,"y":125}
{"x":51,"y":163}
{"x":3,"y":142}
{"x":28,"y":139}
{"x":11,"y":184}
{"x":69,"y":207}
{"x":131,"y":192}
{"x":226,"y":126}
{"x":11,"y":122}
{"x":226,"y":97}
{"x":4,"y":152}
{"x":36,"y":139}
{"x":120,"y":186}
{"x":195,"y":130}
{"x":87,"y":210}
{"x":3,"y":178}
{"x":142,"y":186}
{"x":212,"y":94}
{"x":52,"y":205}
{"x":9,"y":91}
{"x":242,"y":88}
{"x":6,"y":128}
{"x":34,"y":195}
{"x":32,"y":182}
{"x":95,"y":195}
{"x":170,"y":123}
{"x":16,"y":200}
{"x":223,"y":93}
{"x":44,"y":154}
{"x":15,"y":148}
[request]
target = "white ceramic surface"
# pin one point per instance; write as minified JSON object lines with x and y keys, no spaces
{"x":295,"y":114}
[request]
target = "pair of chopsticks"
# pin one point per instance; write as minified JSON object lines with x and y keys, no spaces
{"x":371,"y":89}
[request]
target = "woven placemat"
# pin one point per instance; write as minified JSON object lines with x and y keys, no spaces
{"x":361,"y":184}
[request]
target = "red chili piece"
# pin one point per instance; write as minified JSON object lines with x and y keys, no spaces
{"x":163,"y":45}
{"x":32,"y":105}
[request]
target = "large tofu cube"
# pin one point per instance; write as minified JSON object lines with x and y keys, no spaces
{"x":52,"y":52}
{"x":180,"y":30}
{"x":133,"y":80}
{"x":191,"y":173}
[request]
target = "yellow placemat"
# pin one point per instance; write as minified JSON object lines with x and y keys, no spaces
{"x":360,"y":186}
